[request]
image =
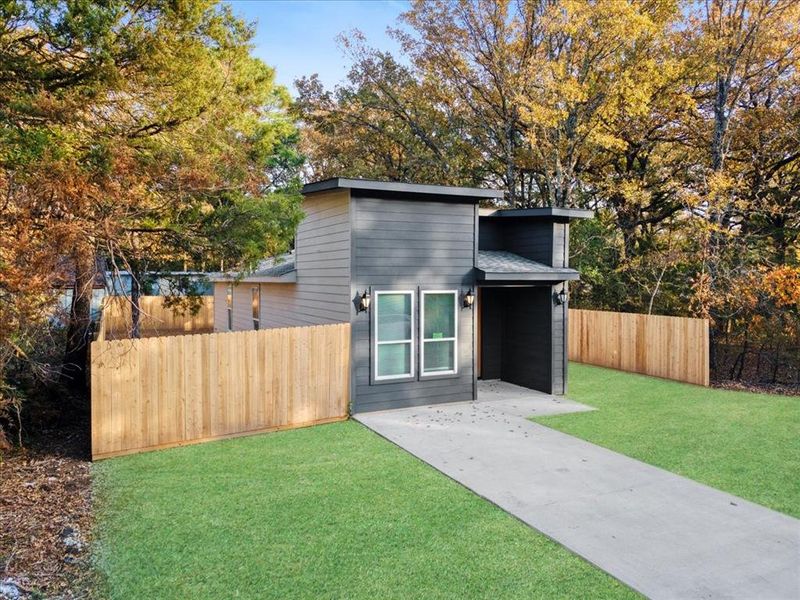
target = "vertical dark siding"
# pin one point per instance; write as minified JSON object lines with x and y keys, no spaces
{"x":493,"y":312}
{"x":490,"y":234}
{"x":411,"y":245}
{"x":545,"y":241}
{"x":518,"y":336}
{"x":527,"y":340}
{"x":531,"y":239}
{"x":532,"y":331}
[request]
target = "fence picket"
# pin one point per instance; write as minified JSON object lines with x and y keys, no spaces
{"x":167,"y":391}
{"x":669,"y":347}
{"x":156,"y":319}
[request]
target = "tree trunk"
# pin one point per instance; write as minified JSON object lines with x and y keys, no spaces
{"x":136,"y":294}
{"x":781,"y":244}
{"x":73,"y":372}
{"x":713,"y":340}
{"x":720,"y":123}
{"x":511,"y":179}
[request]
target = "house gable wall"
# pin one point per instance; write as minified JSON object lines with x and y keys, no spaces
{"x":322,"y":260}
{"x":419,"y":245}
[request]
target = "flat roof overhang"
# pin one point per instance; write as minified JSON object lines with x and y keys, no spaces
{"x":290,"y":277}
{"x":538,"y":213}
{"x":404,"y":191}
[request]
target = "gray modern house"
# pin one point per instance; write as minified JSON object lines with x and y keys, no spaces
{"x":439,"y":292}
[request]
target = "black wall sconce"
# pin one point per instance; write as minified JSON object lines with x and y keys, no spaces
{"x":363,"y":302}
{"x":561,"y":297}
{"x":469,"y":299}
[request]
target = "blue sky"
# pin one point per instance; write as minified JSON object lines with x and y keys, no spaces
{"x":298,"y":37}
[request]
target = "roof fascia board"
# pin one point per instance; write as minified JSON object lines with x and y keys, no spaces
{"x":290,"y":277}
{"x":395,"y":187}
{"x":554,"y":276}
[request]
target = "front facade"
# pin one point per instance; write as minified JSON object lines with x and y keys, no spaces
{"x":438,"y":293}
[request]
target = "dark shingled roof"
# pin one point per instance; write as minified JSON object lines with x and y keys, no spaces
{"x":280,"y":269}
{"x":502,"y":265}
{"x":275,"y":270}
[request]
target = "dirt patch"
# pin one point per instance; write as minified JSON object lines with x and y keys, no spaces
{"x":46,"y":518}
{"x":767,"y":388}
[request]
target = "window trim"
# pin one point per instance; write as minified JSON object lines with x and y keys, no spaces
{"x":229,"y":305}
{"x":423,"y":339}
{"x":255,"y":308}
{"x":411,"y":342}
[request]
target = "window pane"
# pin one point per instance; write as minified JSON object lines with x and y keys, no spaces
{"x":394,"y":317}
{"x":439,"y":356}
{"x":256,"y":302}
{"x":439,"y":316}
{"x":394,"y":359}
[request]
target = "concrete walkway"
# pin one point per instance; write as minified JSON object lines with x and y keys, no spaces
{"x":664,"y":535}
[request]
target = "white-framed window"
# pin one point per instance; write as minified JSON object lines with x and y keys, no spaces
{"x":229,"y":305}
{"x":394,"y":335}
{"x":438,"y":332}
{"x":256,"y":304}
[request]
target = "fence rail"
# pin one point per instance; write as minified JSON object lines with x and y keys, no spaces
{"x":168,"y":391}
{"x":155,"y":318}
{"x":669,"y":347}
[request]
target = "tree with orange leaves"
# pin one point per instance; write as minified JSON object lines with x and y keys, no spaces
{"x":136,"y":134}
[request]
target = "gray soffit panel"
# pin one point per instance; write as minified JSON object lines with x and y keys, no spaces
{"x":405,"y":191}
{"x":499,"y":265}
{"x":539,"y":213}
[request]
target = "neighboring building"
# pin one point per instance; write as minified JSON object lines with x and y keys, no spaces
{"x":65,"y":289}
{"x":158,"y":283}
{"x":111,"y":283}
{"x":453,"y":293}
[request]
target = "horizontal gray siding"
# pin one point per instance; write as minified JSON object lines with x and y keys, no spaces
{"x":414,"y":246}
{"x":322,"y":260}
{"x":242,"y":306}
{"x":220,"y":307}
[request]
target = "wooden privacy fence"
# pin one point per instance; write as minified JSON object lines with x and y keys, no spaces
{"x":168,"y":391}
{"x":155,"y":319}
{"x":668,"y":347}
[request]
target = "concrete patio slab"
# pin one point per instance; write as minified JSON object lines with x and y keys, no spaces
{"x":664,"y":535}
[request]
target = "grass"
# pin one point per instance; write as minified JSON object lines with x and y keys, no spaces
{"x":327,"y":512}
{"x":744,"y":443}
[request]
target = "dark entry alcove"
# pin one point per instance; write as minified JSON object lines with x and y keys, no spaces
{"x":517,"y":336}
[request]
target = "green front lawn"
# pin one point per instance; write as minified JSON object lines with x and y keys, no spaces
{"x":327,"y":512}
{"x":746,"y":444}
